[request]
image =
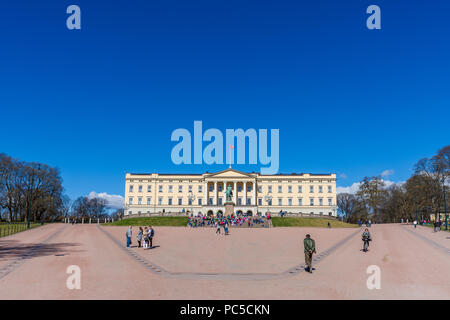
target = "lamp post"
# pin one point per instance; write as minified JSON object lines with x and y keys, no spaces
{"x":191,"y":198}
{"x":445,"y":203}
{"x":268,"y":199}
{"x":417,"y":216}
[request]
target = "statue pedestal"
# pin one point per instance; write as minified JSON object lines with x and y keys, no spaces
{"x":229,"y":208}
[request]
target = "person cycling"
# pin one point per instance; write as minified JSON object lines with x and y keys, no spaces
{"x":366,"y":238}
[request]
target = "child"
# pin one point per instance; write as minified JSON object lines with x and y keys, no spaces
{"x":217,"y":228}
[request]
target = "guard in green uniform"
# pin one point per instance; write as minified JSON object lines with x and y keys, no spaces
{"x":310,"y":248}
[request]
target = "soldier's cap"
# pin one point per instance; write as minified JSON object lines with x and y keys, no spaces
{"x":308,"y":236}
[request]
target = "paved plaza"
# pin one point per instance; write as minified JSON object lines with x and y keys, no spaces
{"x":189,"y":263}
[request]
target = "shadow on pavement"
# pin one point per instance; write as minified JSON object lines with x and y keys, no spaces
{"x":11,"y":249}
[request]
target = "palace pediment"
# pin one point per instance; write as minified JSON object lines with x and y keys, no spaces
{"x":230,"y":173}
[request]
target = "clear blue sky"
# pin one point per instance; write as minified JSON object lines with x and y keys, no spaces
{"x":104,"y":100}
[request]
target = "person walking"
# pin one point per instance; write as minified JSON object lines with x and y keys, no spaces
{"x":329,"y":224}
{"x":415,"y":224}
{"x":139,"y":236}
{"x":217,"y":227}
{"x":310,"y":248}
{"x":129,"y":233}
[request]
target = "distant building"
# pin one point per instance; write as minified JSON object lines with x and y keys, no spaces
{"x":306,"y":193}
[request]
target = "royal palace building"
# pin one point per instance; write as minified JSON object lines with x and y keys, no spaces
{"x":156,"y":194}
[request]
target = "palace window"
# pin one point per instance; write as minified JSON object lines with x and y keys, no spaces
{"x":269,"y":189}
{"x":199,"y":201}
{"x":290,"y":189}
{"x":130,"y":200}
{"x":290,"y":201}
{"x":329,"y":189}
{"x":131,"y":188}
{"x":220,"y":201}
{"x":220,"y":187}
{"x":160,"y":189}
{"x":180,"y":201}
{"x":280,"y":201}
{"x":330,"y":201}
{"x":320,"y":202}
{"x":180,"y":189}
{"x":311,"y":201}
{"x":170,"y":189}
{"x":160,"y":199}
{"x":269,"y":202}
{"x":210,"y":201}
{"x":190,"y":189}
{"x":139,"y":200}
{"x":259,"y":201}
{"x":259,"y":189}
{"x":140,"y":189}
{"x":249,"y":201}
{"x":311,"y":189}
{"x":280,"y":189}
{"x":299,"y":189}
{"x":249,"y":188}
{"x":239,"y":188}
{"x":200,"y":189}
{"x":300,"y":201}
{"x":240,"y":201}
{"x":149,"y":188}
{"x":170,"y":201}
{"x":189,"y":201}
{"x":149,"y":201}
{"x":320,"y":189}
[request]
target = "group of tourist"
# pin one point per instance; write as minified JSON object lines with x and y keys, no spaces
{"x":435,"y":224}
{"x":368,"y":223}
{"x":144,"y":237}
{"x":230,"y":220}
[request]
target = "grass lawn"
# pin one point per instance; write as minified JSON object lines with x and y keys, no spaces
{"x":152,"y":221}
{"x":309,"y":222}
{"x":277,"y":222}
{"x":7,"y":229}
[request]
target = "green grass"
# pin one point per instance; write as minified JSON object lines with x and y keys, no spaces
{"x":152,"y":221}
{"x":7,"y":229}
{"x":309,"y":222}
{"x":277,"y":222}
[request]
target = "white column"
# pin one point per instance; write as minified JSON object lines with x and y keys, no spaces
{"x":254,"y":193}
{"x":245,"y":193}
{"x":205,"y":193}
{"x":235,"y":192}
{"x":215,"y":193}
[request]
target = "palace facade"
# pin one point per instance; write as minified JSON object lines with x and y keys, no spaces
{"x":304,"y":193}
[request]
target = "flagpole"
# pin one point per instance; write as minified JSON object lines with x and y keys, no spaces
{"x":230,"y":156}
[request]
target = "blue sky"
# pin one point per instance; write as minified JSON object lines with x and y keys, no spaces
{"x":104,"y":100}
